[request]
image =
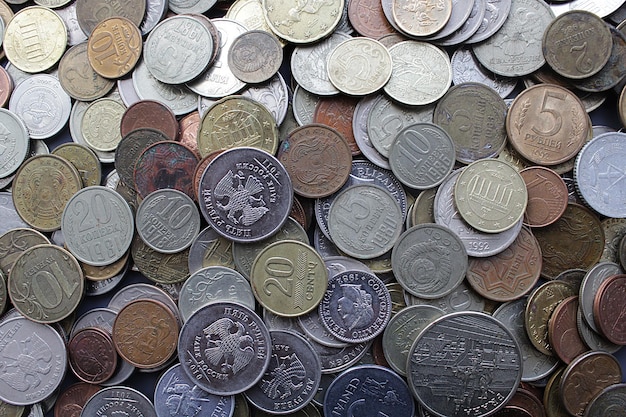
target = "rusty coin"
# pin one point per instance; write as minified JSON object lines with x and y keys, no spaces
{"x":92,"y":356}
{"x":149,"y":114}
{"x":609,"y":308}
{"x":547,"y":196}
{"x":563,"y":331}
{"x":338,"y":112}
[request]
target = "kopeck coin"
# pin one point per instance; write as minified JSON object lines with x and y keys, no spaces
{"x":114,"y":47}
{"x":78,"y":78}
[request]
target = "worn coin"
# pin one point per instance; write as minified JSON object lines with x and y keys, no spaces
{"x":83,"y":159}
{"x":91,"y":355}
{"x":611,"y":400}
{"x":613,"y":72}
{"x":78,"y":78}
{"x":73,"y":399}
{"x":563,"y":334}
{"x":255,"y":56}
{"x":14,"y":242}
{"x":465,"y":68}
{"x":100,"y":124}
{"x":368,"y":19}
{"x":338,"y":112}
{"x":90,"y":13}
{"x":165,"y":268}
{"x":301,"y":24}
{"x":130,"y":148}
{"x":275,"y":96}
{"x":120,"y":400}
{"x":149,"y":114}
{"x":75,"y":128}
{"x":466,"y":22}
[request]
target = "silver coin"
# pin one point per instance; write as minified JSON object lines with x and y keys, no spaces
{"x":323,"y":245}
{"x":119,"y":400}
{"x":461,"y":10}
{"x":42,"y":104}
{"x":312,"y":327}
{"x":304,"y":104}
{"x":361,"y":134}
{"x":476,"y":243}
{"x":469,"y":28}
{"x":273,"y":94}
{"x":176,"y":394}
{"x":10,"y":218}
{"x":225,"y":348}
{"x":592,"y":339}
{"x":177,"y":97}
{"x":98,"y":225}
{"x":590,"y":285}
{"x":155,"y":12}
{"x":101,"y":318}
{"x":429,"y":261}
{"x":219,"y":81}
{"x":496,"y":12}
{"x":185,"y":6}
{"x":75,"y":34}
{"x":600,"y":175}
{"x":16,"y":74}
{"x":292,"y":377}
{"x":535,"y":365}
{"x":600,"y":8}
{"x":465,"y":68}
{"x":245,"y":194}
{"x":139,"y":291}
{"x":168,"y":220}
{"x":462,"y":298}
{"x":208,"y":249}
{"x":76,"y":130}
{"x":178,"y":49}
{"x":336,"y":265}
{"x":34,"y":361}
{"x":276,"y":322}
{"x":470,"y":356}
{"x":356,"y":306}
{"x":335,"y":360}
{"x":211,"y":284}
{"x":127,"y":91}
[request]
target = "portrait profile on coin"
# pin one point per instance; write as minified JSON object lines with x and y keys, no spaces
{"x":355,"y":306}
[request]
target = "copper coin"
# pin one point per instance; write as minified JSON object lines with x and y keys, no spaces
{"x":368,"y":18}
{"x":197,"y":175}
{"x":188,"y":130}
{"x":100,"y":273}
{"x":576,"y":240}
{"x":145,"y":333}
{"x":513,"y":411}
{"x":547,"y":196}
{"x":165,"y":165}
{"x":114,"y":47}
{"x":317,"y":158}
{"x":151,"y":114}
{"x":299,"y":214}
{"x":130,"y":148}
{"x":528,"y":401}
{"x":92,"y":356}
{"x":338,"y":112}
{"x":585,"y":377}
{"x":71,"y":401}
{"x":563,"y":331}
{"x":6,"y":87}
{"x":609,"y":309}
{"x":511,"y":273}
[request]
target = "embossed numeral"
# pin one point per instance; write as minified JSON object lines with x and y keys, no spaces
{"x":414,"y":147}
{"x":353,"y":209}
{"x":178,"y":216}
{"x":281,"y":272}
{"x":551,"y":113}
{"x":49,"y":290}
{"x":96,"y":213}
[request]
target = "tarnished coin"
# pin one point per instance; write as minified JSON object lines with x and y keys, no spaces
{"x":369,"y":56}
{"x":38,"y":348}
{"x":356,"y":306}
{"x":92,"y":12}
{"x":422,"y":155}
{"x":178,"y":49}
{"x":613,"y":72}
{"x":577,"y":44}
{"x":612,"y":400}
{"x":98,"y":225}
{"x":237,"y":121}
{"x":41,"y":188}
{"x":365,"y":221}
{"x":608,"y":307}
{"x":91,"y":355}
{"x":317,"y":157}
{"x":301,"y":24}
{"x":78,"y":78}
{"x":114,"y":47}
{"x":563,"y":334}
{"x":149,"y":114}
{"x":35,"y":39}
{"x":46,"y":283}
{"x":168,"y":220}
{"x":14,"y":140}
{"x":510,"y":274}
{"x":473,"y":115}
{"x":14,"y":242}
{"x":130,"y":148}
{"x":73,"y":399}
{"x":255,"y":56}
{"x":119,"y":399}
{"x":338,"y":112}
{"x":225,"y":348}
{"x":164,"y":268}
{"x":84,"y":160}
{"x":294,"y":358}
{"x":145,"y":333}
{"x":100,"y":124}
{"x":585,"y":378}
{"x":368,"y":19}
{"x":429,"y":261}
{"x":547,"y":196}
{"x":245,"y":194}
{"x":547,"y":124}
{"x":437,"y":365}
{"x":490,"y":195}
{"x":421,"y":20}
{"x":75,"y":125}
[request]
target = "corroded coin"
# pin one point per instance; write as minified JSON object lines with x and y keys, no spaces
{"x":563,"y":334}
{"x":145,"y":333}
{"x":114,"y":47}
{"x":225,"y":348}
{"x":46,"y":283}
{"x":613,"y":73}
{"x":317,"y":158}
{"x":301,"y":23}
{"x":41,"y":188}
{"x":429,"y":261}
{"x":490,"y":195}
{"x":164,"y":268}
{"x":547,"y":196}
{"x":78,"y":78}
{"x":438,"y":366}
{"x":608,"y":309}
{"x":356,"y":306}
{"x":91,"y":355}
{"x":255,"y":56}
{"x":547,"y":124}
{"x":130,"y":148}
{"x":98,"y":225}
{"x":83,"y":159}
{"x":245,"y":194}
{"x":577,"y":44}
{"x":288,"y":278}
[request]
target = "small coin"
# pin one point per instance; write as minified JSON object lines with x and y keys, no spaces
{"x":416,"y":21}
{"x":164,"y":268}
{"x":92,"y":356}
{"x":563,"y":334}
{"x":547,"y":196}
{"x":149,"y":114}
{"x":607,"y":308}
{"x":100,"y":124}
{"x":73,"y":398}
{"x":368,"y":19}
{"x":78,"y":78}
{"x":255,"y":56}
{"x":119,"y":399}
{"x":114,"y":47}
{"x":130,"y":148}
{"x":76,"y":120}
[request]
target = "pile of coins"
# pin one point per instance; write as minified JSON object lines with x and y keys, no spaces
{"x":312,"y":208}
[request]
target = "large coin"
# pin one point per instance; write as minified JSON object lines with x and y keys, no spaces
{"x":119,"y":400}
{"x":302,"y":23}
{"x":14,"y":140}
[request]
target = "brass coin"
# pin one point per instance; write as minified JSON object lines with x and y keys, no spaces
{"x":552,"y":402}
{"x":41,"y":188}
{"x":159,"y":267}
{"x":78,"y":78}
{"x":547,"y":124}
{"x":35,"y":39}
{"x":89,"y":13}
{"x":14,"y":242}
{"x":101,"y":273}
{"x":114,"y":47}
{"x":83,"y":159}
{"x":100,"y":124}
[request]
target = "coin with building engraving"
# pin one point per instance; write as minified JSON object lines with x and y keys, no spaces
{"x":470,"y":356}
{"x":245,"y":194}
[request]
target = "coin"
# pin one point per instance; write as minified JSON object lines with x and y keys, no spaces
{"x":165,"y":268}
{"x":100,"y":124}
{"x":274,"y":95}
{"x":338,"y":112}
{"x":149,"y":114}
{"x":84,"y":160}
{"x":465,"y":68}
{"x":416,"y":21}
{"x":612,"y":74}
{"x":563,"y":334}
{"x":547,"y":196}
{"x":591,"y":282}
{"x":15,"y":141}
{"x":121,"y":400}
{"x":78,"y":78}
{"x":255,"y":56}
{"x":92,"y":356}
{"x":607,"y":308}
{"x":14,"y":242}
{"x":130,"y":148}
{"x":368,"y":19}
{"x":611,"y":399}
{"x":114,"y":47}
{"x":210,"y":249}
{"x":90,"y":13}
{"x":73,"y":398}
{"x":462,"y":24}
{"x":300,"y":24}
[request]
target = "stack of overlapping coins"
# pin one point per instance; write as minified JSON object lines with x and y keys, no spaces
{"x":312,"y":207}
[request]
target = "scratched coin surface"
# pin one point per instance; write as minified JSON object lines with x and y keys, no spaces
{"x":14,"y":139}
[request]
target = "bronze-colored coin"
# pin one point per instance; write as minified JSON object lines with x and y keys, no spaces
{"x":160,"y":267}
{"x":101,"y":273}
{"x":71,"y":401}
{"x":78,"y":78}
{"x":130,"y":148}
{"x":91,"y":355}
{"x":512,"y":411}
{"x":609,"y":308}
{"x":145,"y":333}
{"x":613,"y":72}
{"x":299,"y":214}
{"x":197,"y":174}
{"x":14,"y":242}
{"x":528,"y":401}
{"x":317,"y":158}
{"x":41,"y":188}
{"x":89,"y":13}
{"x":149,"y":114}
{"x":622,"y":252}
{"x":547,"y":124}
{"x":575,"y":240}
{"x":563,"y":331}
{"x":585,"y":377}
{"x":547,"y":196}
{"x":114,"y":47}
{"x":338,"y":112}
{"x":368,"y":18}
{"x":83,"y":159}
{"x":539,"y":308}
{"x":188,"y":130}
{"x":552,"y":402}
{"x":165,"y":165}
{"x":511,"y":273}
{"x":577,"y":44}
{"x":6,"y":87}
